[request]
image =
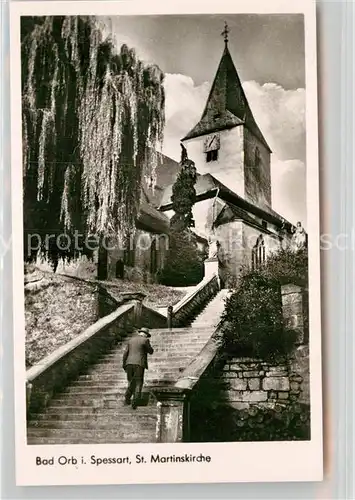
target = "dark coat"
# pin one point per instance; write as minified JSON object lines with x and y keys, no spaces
{"x":136,"y":352}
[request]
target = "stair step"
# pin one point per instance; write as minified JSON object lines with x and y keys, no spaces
{"x":90,"y":400}
{"x":80,"y":413}
{"x":120,"y":374}
{"x":132,"y":438}
{"x":109,"y":393}
{"x":164,"y":353}
{"x":104,"y":382}
{"x":158,"y":357}
{"x":92,"y":434}
{"x":118,"y":386}
{"x":103,"y":389}
{"x":104,"y":423}
{"x":173,"y":331}
{"x":109,"y":371}
{"x":99,"y":378}
{"x":169,"y":346}
{"x":117,"y":373}
{"x":119,"y":409}
{"x":112,"y":382}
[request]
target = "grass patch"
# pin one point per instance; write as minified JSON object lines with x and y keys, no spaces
{"x":56,"y":311}
{"x":156,"y":295}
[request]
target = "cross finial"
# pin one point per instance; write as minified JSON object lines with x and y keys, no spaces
{"x":225,"y":32}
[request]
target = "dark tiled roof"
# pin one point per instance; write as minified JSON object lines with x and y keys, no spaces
{"x":227,"y":105}
{"x":152,"y":220}
{"x":207,"y":186}
{"x":231,"y":212}
{"x":166,"y":173}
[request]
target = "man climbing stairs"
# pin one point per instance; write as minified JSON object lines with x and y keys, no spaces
{"x":92,"y":409}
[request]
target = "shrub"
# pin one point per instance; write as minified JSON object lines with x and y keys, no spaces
{"x":287,"y":266}
{"x":253,"y":321}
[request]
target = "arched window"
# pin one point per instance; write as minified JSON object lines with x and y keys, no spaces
{"x":258,"y":253}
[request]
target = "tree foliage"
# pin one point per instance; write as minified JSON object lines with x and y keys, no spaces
{"x":92,"y":120}
{"x":184,"y":196}
{"x":184,"y":266}
{"x":253,"y":317}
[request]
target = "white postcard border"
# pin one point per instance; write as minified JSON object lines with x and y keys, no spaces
{"x":230,"y":462}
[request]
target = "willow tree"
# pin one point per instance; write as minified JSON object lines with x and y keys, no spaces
{"x":93,"y":118}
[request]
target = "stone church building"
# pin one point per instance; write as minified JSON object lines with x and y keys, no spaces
{"x":233,"y":212}
{"x":232,"y":157}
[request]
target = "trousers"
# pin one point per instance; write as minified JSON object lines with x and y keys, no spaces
{"x":135,"y":378}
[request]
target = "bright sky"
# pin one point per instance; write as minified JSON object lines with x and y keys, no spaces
{"x":268,"y":52}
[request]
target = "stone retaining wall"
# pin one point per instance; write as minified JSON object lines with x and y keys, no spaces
{"x":64,"y":365}
{"x":250,"y":381}
{"x":245,"y":399}
{"x":152,"y":319}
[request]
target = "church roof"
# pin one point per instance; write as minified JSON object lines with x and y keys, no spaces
{"x":166,"y":171}
{"x":152,"y":220}
{"x":231,"y":212}
{"x":207,"y":186}
{"x":227,"y":105}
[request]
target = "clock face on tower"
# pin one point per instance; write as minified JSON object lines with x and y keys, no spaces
{"x":211,"y":143}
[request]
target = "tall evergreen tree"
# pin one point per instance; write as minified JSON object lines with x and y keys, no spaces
{"x":185,"y":262}
{"x":184,"y":194}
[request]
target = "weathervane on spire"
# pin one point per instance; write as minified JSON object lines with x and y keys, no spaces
{"x":225,"y":33}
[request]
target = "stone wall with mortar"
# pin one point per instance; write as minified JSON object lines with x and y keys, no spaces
{"x":245,"y":399}
{"x":248,"y":381}
{"x":141,"y":271}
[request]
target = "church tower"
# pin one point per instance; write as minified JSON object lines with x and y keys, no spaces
{"x":227,"y":142}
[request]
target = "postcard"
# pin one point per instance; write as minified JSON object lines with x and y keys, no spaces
{"x":166,"y":242}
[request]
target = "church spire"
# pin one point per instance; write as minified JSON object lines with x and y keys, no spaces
{"x":227,"y":105}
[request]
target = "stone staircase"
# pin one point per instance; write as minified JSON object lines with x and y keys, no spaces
{"x":211,"y":314}
{"x":92,"y":409}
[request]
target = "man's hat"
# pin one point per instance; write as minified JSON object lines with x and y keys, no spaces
{"x":145,"y":331}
